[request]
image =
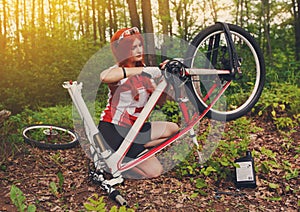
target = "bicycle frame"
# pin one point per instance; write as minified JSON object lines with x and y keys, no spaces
{"x":106,"y":161}
{"x":114,"y":161}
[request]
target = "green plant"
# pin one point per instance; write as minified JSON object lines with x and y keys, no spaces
{"x":57,"y":158}
{"x":19,"y":200}
{"x":234,"y":144}
{"x":57,"y":190}
{"x":280,"y":102}
{"x":290,"y":173}
{"x":54,"y":189}
{"x":200,"y":184}
{"x":96,"y":203}
{"x":270,"y":162}
{"x":60,"y":181}
{"x":172,"y":111}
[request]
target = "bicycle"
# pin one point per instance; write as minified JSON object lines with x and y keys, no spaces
{"x":212,"y":67}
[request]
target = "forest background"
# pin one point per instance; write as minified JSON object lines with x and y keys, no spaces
{"x":46,"y":42}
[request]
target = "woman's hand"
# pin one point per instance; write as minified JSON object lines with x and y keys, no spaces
{"x":154,"y":72}
{"x":162,"y":65}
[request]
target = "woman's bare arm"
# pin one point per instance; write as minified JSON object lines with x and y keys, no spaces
{"x":115,"y":74}
{"x":112,"y":75}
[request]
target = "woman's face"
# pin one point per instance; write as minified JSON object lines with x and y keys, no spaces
{"x":137,"y":51}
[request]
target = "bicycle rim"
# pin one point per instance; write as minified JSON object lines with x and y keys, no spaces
{"x":49,"y":137}
{"x":243,"y":93}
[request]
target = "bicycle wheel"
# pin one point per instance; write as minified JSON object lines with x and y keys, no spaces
{"x":209,"y":49}
{"x":49,"y":137}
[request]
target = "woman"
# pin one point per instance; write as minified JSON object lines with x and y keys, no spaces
{"x":129,"y":89}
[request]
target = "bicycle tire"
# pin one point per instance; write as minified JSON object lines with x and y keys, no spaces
{"x":40,"y":131}
{"x":248,"y":88}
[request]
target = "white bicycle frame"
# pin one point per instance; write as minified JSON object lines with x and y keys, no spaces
{"x":106,"y":161}
{"x":114,"y":161}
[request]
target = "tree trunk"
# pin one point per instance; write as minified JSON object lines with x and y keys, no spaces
{"x":32,"y":33}
{"x":134,"y":16}
{"x":178,"y":11}
{"x":214,"y":10}
{"x":296,"y":10}
{"x":81,"y":26}
{"x":4,"y":25}
{"x":42,"y":27}
{"x":51,"y":22}
{"x":241,"y":13}
{"x":149,"y":36}
{"x":87,"y":19}
{"x":165,"y":17}
{"x":94,"y":22}
{"x":17,"y":23}
{"x":24,"y":13}
{"x":101,"y":21}
{"x":266,"y":24}
{"x":109,"y":8}
{"x":33,"y":14}
{"x":115,"y":18}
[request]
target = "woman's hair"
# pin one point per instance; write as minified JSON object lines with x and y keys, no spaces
{"x":121,"y":48}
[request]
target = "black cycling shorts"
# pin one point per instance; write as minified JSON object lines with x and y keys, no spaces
{"x":114,"y":135}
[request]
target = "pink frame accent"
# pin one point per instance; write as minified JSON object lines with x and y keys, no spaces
{"x":157,"y":149}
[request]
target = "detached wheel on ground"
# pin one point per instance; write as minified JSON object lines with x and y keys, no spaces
{"x":46,"y":136}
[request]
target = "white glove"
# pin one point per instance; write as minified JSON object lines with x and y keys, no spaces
{"x":151,"y":72}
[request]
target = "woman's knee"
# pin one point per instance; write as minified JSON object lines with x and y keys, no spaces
{"x":151,"y":168}
{"x":163,"y":129}
{"x":155,"y":172}
{"x":174,"y":127}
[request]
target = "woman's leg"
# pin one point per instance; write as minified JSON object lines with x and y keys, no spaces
{"x":149,"y":169}
{"x":152,"y":167}
{"x":160,"y":130}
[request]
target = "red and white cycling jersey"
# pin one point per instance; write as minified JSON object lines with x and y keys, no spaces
{"x":126,"y":99}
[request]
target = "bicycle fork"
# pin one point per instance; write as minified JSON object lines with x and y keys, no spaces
{"x":97,"y":148}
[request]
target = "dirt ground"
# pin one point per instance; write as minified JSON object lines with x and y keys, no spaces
{"x":32,"y":170}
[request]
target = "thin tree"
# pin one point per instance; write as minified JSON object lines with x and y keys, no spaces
{"x":33,"y":27}
{"x":166,"y":23}
{"x":115,"y":18}
{"x":134,"y":17}
{"x":17,"y":23}
{"x":80,"y":25}
{"x":41,"y":19}
{"x":4,"y":35}
{"x":296,"y":12}
{"x":86,"y":18}
{"x":148,"y":29}
{"x":94,"y":21}
{"x":165,"y":17}
{"x":214,"y":9}
{"x":110,"y":13}
{"x":266,"y":25}
{"x":101,"y":21}
{"x":24,"y":12}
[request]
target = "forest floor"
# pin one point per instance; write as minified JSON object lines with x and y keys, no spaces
{"x":32,"y":170}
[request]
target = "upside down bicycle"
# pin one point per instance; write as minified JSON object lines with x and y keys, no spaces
{"x":222,"y":60}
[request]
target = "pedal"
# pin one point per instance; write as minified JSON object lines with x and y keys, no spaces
{"x":114,"y":181}
{"x":100,"y":178}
